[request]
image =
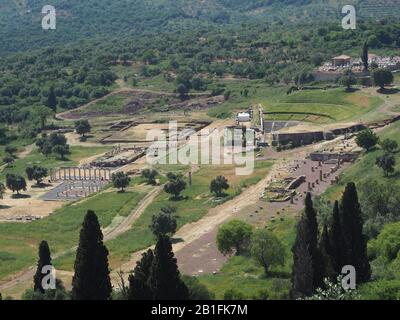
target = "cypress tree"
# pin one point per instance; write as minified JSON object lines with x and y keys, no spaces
{"x":310,"y":219}
{"x":91,"y":280}
{"x":139,"y":288}
{"x":325,"y":250}
{"x":165,"y":281}
{"x":44,"y":260}
{"x":52,"y":100}
{"x":302,"y":272}
{"x":336,"y":241}
{"x":355,"y":242}
{"x":364,"y":55}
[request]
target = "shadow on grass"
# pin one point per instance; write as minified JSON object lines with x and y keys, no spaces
{"x":180,"y":198}
{"x":20,"y":196}
{"x":85,"y":138}
{"x":351,"y":90}
{"x":278,"y":274}
{"x":388,"y":91}
{"x":176,"y":240}
{"x":41,"y":185}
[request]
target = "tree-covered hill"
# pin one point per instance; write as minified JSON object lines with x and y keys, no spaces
{"x":20,"y":20}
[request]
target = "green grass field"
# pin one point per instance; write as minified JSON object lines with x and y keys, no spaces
{"x":323,"y":106}
{"x":19,"y":242}
{"x":36,"y":158}
{"x":244,"y":275}
{"x":326,"y":106}
{"x":196,"y":203}
{"x":356,"y":173}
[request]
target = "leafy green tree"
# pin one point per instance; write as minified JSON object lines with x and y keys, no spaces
{"x":3,"y":135}
{"x":165,"y":280}
{"x":42,"y":113}
{"x":386,"y":246}
{"x":15,"y":183}
{"x":91,"y":280}
{"x":82,"y":127}
{"x":36,"y":173}
{"x":382,"y":77}
{"x":352,"y":230}
{"x":234,"y":294}
{"x":367,"y":139}
{"x":150,"y":176}
{"x":175,"y":185}
{"x":11,"y":150}
{"x":182,"y":91}
{"x":387,"y":163}
{"x":219,"y":184}
{"x":60,"y":150}
{"x":233,"y":236}
{"x":2,"y":190}
{"x":266,"y":249}
{"x":164,"y":223}
{"x":120,"y":180}
{"x":8,"y":160}
{"x":139,"y":287}
{"x":389,"y":145}
{"x":44,"y":260}
{"x":380,"y":203}
{"x":347,"y":81}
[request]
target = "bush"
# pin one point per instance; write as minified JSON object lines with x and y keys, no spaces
{"x":234,"y":236}
{"x":197,"y":291}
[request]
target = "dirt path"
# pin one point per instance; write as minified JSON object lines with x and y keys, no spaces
{"x":191,"y":234}
{"x":21,"y":155}
{"x":126,"y":224}
{"x":27,"y":274}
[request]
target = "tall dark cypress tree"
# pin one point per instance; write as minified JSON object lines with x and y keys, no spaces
{"x":302,"y":272}
{"x":310,"y":218}
{"x":336,"y":241}
{"x":91,"y":280}
{"x":364,"y":55}
{"x":52,"y":100}
{"x":325,"y":250}
{"x":44,"y":260}
{"x":139,"y":288}
{"x":165,"y":281}
{"x":352,"y":228}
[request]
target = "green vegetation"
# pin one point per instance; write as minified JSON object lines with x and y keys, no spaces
{"x":234,"y":237}
{"x":246,"y":276}
{"x":77,"y":153}
{"x":61,"y":229}
{"x":196,"y":201}
{"x":356,"y":172}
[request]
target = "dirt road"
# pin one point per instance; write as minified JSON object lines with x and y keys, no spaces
{"x":109,"y":234}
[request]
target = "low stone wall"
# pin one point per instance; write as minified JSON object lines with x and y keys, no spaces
{"x":326,"y":156}
{"x":297,"y":139}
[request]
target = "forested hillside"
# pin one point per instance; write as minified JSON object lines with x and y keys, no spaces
{"x":21,"y":19}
